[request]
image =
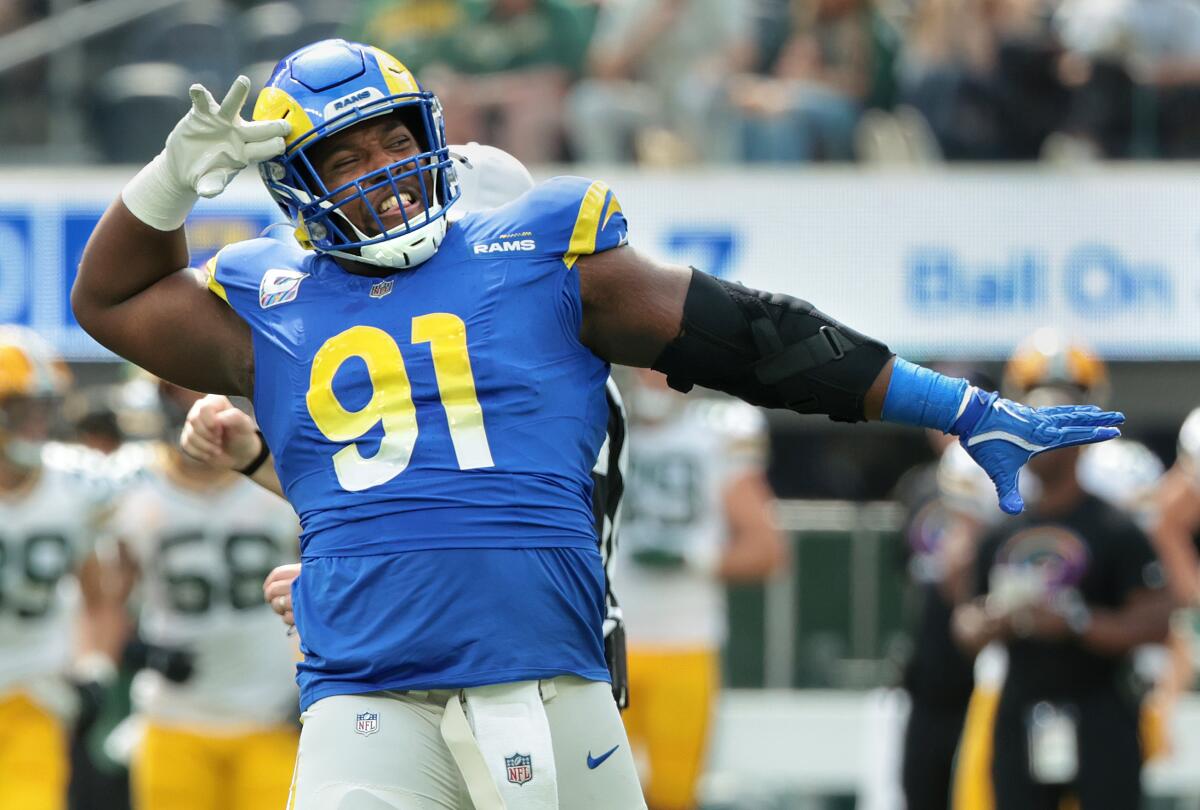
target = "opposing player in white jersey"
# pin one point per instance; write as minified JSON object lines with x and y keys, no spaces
{"x":51,"y":500}
{"x":1176,"y":533}
{"x":699,"y":514}
{"x":217,"y":695}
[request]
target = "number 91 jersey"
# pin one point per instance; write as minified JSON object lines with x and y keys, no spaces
{"x":46,"y":528}
{"x":446,"y":406}
{"x":204,"y":553}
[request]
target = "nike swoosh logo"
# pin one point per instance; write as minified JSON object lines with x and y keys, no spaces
{"x":596,"y":762}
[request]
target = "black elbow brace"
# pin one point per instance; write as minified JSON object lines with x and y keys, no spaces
{"x":770,"y":350}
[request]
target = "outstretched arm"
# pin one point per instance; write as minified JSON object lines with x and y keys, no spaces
{"x":780,"y":352}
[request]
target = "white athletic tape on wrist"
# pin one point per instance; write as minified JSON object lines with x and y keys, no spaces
{"x":156,"y":199}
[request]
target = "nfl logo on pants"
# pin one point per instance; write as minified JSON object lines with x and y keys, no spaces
{"x":520,"y":768}
{"x":366,"y":723}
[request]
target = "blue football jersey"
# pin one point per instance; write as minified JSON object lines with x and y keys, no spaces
{"x":435,"y":431}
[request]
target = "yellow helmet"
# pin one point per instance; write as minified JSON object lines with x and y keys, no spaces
{"x":30,"y":370}
{"x":29,"y":365}
{"x":1049,"y":360}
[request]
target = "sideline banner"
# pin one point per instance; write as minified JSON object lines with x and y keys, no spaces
{"x":940,"y":264}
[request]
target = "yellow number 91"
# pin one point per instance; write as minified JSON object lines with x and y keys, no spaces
{"x":391,"y":400}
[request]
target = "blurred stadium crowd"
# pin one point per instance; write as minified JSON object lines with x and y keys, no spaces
{"x":669,"y":82}
{"x":882,"y":594}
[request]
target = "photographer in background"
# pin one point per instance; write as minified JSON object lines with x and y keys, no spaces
{"x":1071,"y":588}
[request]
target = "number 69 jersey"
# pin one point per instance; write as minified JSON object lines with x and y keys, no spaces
{"x":204,"y":553}
{"x":46,"y":528}
{"x":675,"y":526}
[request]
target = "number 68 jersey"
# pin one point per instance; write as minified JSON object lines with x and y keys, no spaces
{"x":204,"y":552}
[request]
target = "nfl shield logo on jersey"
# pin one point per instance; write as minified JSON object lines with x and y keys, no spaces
{"x":366,"y":723}
{"x":381,"y":288}
{"x":520,"y":768}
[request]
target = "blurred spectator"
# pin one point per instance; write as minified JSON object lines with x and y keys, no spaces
{"x":809,"y":105}
{"x":21,"y":122}
{"x":983,"y":74}
{"x":414,"y":30}
{"x":1134,"y":69}
{"x":656,"y":74}
{"x":500,"y":67}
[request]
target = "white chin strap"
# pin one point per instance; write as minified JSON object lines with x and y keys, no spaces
{"x":402,"y":251}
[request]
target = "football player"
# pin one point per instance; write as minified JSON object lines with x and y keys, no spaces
{"x":216,"y":694}
{"x":52,"y":500}
{"x":700,"y":514}
{"x":219,"y":434}
{"x":435,"y":398}
{"x":1177,"y":531}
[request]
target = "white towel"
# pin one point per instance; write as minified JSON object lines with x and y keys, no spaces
{"x":509,"y":730}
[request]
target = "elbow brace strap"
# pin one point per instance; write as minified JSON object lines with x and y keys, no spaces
{"x":770,"y":350}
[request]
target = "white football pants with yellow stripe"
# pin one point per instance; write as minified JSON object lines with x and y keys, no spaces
{"x":422,"y":751}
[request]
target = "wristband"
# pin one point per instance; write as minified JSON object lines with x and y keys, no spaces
{"x":94,"y":667}
{"x":264,"y":452}
{"x":921,"y":397}
{"x":156,"y":198}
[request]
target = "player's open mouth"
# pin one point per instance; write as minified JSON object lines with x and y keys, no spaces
{"x":391,"y":206}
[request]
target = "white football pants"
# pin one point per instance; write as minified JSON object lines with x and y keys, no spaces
{"x":386,"y":751}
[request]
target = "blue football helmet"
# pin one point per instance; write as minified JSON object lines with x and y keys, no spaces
{"x":325,"y":88}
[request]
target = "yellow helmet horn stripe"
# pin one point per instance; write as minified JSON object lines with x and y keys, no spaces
{"x":399,"y":79}
{"x":274,"y":104}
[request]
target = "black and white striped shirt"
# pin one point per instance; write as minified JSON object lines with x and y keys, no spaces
{"x":608,"y":478}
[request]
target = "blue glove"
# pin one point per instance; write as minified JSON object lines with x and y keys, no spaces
{"x":1002,"y":435}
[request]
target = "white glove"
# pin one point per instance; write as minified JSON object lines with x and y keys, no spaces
{"x":207,"y":148}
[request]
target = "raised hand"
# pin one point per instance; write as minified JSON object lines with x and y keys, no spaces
{"x":203,"y":153}
{"x":212,"y":143}
{"x":1002,"y":435}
